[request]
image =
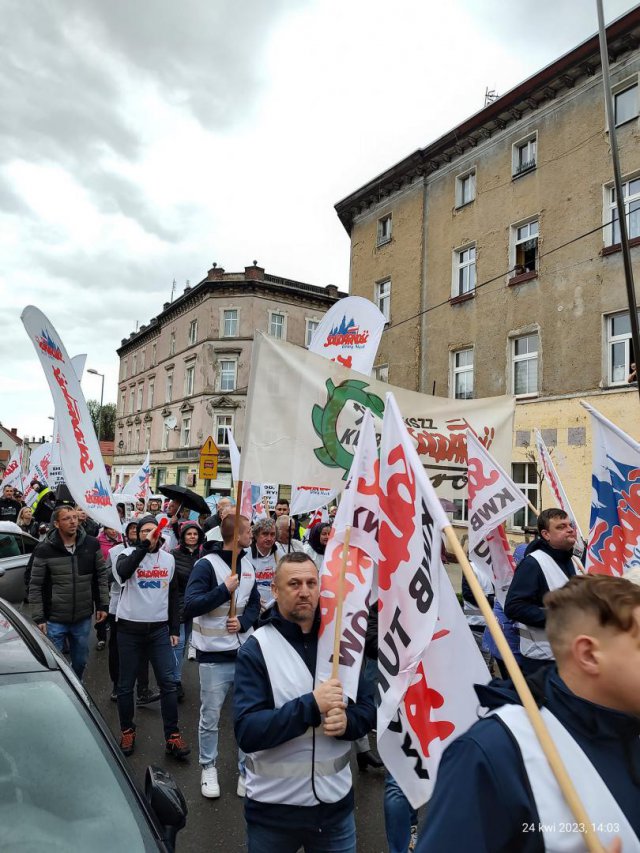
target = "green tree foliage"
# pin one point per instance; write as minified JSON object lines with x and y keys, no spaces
{"x":108,"y":418}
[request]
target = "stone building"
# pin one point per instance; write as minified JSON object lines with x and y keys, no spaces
{"x":494,"y":253}
{"x":184,"y":375}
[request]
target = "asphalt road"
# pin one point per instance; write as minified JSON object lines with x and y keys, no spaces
{"x":216,"y":825}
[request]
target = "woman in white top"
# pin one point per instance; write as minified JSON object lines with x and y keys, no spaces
{"x":318,"y":538}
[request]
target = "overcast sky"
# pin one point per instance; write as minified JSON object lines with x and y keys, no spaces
{"x":141,"y":140}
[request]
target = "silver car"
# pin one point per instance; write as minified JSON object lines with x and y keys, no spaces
{"x":16,"y":547}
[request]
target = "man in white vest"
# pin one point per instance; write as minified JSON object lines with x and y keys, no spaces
{"x":548,"y":565}
{"x":217,"y":636}
{"x":297,"y":734}
{"x":495,"y":792}
{"x":264,"y":556}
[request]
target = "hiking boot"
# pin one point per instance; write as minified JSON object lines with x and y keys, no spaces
{"x":209,"y":786}
{"x":147,"y":696}
{"x":128,"y":741}
{"x":176,"y":746}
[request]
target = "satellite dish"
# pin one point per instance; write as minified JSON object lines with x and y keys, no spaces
{"x":170,"y":422}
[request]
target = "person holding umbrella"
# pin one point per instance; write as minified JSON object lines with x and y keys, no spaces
{"x":179,"y":498}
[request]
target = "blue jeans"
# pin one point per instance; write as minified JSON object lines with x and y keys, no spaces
{"x":78,"y":634}
{"x":399,"y":816}
{"x":179,"y":650}
{"x":215,"y":681}
{"x":132,"y":647}
{"x":337,"y":837}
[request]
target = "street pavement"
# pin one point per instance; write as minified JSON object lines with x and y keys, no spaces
{"x":215,"y":825}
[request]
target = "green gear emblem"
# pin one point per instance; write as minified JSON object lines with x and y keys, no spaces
{"x":325,"y":420}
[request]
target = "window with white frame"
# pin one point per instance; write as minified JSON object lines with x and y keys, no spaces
{"x":227,"y":375}
{"x":465,"y":188}
{"x":154,"y":354}
{"x":137,"y":440}
{"x":169,"y":388}
{"x":165,"y":436}
{"x":381,"y":372}
{"x":625,"y":101}
{"x":310,"y":327}
{"x":524,"y":355}
{"x":383,"y":298}
{"x":123,"y":402}
{"x":181,"y":476}
{"x":464,"y":270}
{"x":230,"y":323}
{"x":462,"y":374}
{"x":525,"y":476}
{"x":161,"y":477}
{"x":461,"y":511}
{"x":189,"y":380}
{"x":631,"y":196}
{"x":524,"y":155}
{"x":384,"y":229}
{"x":223,"y":422}
{"x":150,"y":391}
{"x":124,"y":369}
{"x":185,"y":435}
{"x":276,"y":325}
{"x":132,"y":400}
{"x":193,"y":332}
{"x":525,"y":247}
{"x":143,"y":358}
{"x":147,"y":437}
{"x":140,"y":397}
{"x":129,"y":441}
{"x":134,"y":365}
{"x":172,"y":343}
{"x":619,"y":348}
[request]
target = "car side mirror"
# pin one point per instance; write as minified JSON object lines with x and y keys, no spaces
{"x":167,"y":801}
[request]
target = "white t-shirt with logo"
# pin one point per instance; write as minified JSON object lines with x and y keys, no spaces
{"x":145,"y":595}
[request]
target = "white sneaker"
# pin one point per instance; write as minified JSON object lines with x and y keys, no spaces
{"x":191,"y":654}
{"x":209,"y":786}
{"x":241,"y":790}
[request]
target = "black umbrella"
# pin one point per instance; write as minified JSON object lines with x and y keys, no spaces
{"x":186,"y":498}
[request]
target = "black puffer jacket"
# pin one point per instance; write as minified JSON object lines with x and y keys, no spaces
{"x":185,"y":560}
{"x":67,"y":587}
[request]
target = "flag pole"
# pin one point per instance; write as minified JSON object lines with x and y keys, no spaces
{"x":234,"y":547}
{"x":569,"y":792}
{"x":340,"y":600}
{"x":533,"y":509}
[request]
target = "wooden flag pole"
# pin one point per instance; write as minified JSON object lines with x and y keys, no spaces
{"x":533,"y":509}
{"x":340,"y":597}
{"x":234,"y":547}
{"x":569,"y":792}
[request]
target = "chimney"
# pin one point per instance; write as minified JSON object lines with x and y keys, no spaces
{"x":14,"y":431}
{"x":331,"y":290}
{"x":216,"y":273}
{"x":254,"y":273}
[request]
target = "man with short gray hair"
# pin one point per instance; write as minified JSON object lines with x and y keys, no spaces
{"x":264,"y":556}
{"x":285,"y":542}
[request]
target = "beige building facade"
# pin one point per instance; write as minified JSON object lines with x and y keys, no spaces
{"x":184,"y":375}
{"x":495,"y":254}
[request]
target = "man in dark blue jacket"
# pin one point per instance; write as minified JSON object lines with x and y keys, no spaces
{"x":297,"y":734}
{"x":495,"y":792}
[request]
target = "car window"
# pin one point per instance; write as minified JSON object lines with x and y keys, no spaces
{"x":60,"y":788}
{"x":10,"y":545}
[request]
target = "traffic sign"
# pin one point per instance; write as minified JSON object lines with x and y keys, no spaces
{"x":209,"y":460}
{"x":209,"y":448}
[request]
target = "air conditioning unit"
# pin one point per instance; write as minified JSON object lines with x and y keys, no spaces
{"x":191,"y":479}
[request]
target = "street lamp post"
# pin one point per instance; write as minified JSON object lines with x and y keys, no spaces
{"x":97,"y":373}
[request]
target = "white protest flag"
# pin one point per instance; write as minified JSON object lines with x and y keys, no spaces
{"x":350,"y":333}
{"x":38,"y":470}
{"x":139,"y":484}
{"x":120,"y":485}
{"x":493,"y":497}
{"x":358,"y":510}
{"x":13,"y":472}
{"x":614,"y":538}
{"x":428,"y":660}
{"x":82,"y":462}
{"x":555,"y":484}
{"x":305,"y":499}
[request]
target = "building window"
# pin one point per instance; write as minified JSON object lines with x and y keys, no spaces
{"x":132,"y":400}
{"x":230,"y":323}
{"x":134,"y":365}
{"x":383,"y":298}
{"x":525,"y":248}
{"x":172,"y":343}
{"x":465,"y":188}
{"x":147,"y":437}
{"x":150,"y":391}
{"x":619,"y":348}
{"x":123,"y":403}
{"x":223,"y":422}
{"x":140,"y":396}
{"x":181,"y":476}
{"x":464,"y":271}
{"x":128,"y":441}
{"x":276,"y":325}
{"x":227,"y":375}
{"x":143,"y":358}
{"x":137,"y":439}
{"x":311,"y":326}
{"x":169,"y":388}
{"x":161,"y":477}
{"x":193,"y":332}
{"x":165,"y":436}
{"x":462,"y":374}
{"x":525,"y":364}
{"x":154,"y":354}
{"x":189,"y":381}
{"x":384,"y":229}
{"x":381,"y":373}
{"x":461,"y":511}
{"x":625,"y":102}
{"x":124,"y":369}
{"x":525,"y":476}
{"x":185,"y":436}
{"x":631,"y":196}
{"x":524,"y":155}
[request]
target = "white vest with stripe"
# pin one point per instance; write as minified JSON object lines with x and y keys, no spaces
{"x":289,"y":773}
{"x":144,"y":596}
{"x":557,"y":823}
{"x":209,"y":632}
{"x":533,"y":641}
